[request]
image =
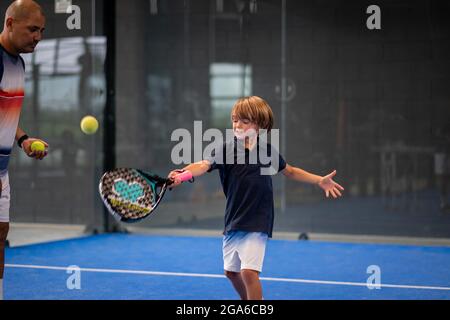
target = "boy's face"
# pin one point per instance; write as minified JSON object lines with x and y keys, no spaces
{"x":243,"y":127}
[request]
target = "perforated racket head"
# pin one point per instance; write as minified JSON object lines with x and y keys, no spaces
{"x":131,"y":195}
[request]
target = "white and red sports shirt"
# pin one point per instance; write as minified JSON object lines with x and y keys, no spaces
{"x":12,"y":83}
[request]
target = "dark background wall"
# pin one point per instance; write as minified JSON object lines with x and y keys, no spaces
{"x":372,"y":104}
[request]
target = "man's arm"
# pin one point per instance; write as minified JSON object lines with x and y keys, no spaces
{"x":19,"y":133}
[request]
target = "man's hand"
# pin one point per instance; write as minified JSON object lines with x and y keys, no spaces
{"x":329,"y":186}
{"x":26,"y":146}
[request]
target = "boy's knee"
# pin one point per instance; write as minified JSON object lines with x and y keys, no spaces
{"x":248,"y":273}
{"x":231,"y":274}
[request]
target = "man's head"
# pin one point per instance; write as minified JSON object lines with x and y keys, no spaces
{"x":23,"y":27}
{"x":251,"y":113}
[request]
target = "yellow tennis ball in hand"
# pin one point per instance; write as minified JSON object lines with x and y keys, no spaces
{"x":37,"y":146}
{"x":89,"y":125}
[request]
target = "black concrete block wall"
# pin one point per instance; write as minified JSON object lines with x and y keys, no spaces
{"x":352,"y":92}
{"x":386,"y":86}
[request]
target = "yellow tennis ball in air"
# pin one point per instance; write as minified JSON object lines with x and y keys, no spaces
{"x":37,"y":146}
{"x":89,"y":125}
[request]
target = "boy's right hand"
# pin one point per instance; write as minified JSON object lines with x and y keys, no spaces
{"x":176,"y":182}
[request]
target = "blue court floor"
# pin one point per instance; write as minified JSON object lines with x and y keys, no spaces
{"x":143,"y":267}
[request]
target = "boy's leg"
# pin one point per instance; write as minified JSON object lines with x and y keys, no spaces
{"x":252,"y":284}
{"x":252,"y":254}
{"x":238,"y":283}
{"x":243,"y":254}
{"x":232,"y":263}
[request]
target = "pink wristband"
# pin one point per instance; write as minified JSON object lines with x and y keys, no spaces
{"x":184,"y":176}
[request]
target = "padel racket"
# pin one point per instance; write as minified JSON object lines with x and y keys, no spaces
{"x":131,"y":195}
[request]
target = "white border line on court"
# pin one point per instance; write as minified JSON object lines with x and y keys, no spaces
{"x":206,"y":275}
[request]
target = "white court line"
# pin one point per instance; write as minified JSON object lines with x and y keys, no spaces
{"x":206,"y":275}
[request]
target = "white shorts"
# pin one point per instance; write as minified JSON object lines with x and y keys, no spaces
{"x":5,"y":200}
{"x":244,"y":250}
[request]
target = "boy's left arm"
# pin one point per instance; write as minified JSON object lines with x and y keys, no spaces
{"x":326,"y":182}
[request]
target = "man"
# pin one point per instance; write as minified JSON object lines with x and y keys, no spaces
{"x":22,"y":30}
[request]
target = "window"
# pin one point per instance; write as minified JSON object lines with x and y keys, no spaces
{"x":228,"y":82}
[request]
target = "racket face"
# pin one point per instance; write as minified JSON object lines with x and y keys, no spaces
{"x":129,"y":194}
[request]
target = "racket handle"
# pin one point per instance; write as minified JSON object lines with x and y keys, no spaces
{"x":184,"y":176}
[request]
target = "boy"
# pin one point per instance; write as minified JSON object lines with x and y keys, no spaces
{"x":248,"y":189}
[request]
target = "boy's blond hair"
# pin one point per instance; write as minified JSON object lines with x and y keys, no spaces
{"x":255,"y":109}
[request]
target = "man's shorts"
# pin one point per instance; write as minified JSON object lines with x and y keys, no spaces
{"x":244,"y":250}
{"x":4,"y":199}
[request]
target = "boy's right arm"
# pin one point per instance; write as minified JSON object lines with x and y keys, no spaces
{"x":197,"y":169}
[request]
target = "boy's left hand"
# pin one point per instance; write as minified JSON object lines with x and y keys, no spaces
{"x":329,"y":186}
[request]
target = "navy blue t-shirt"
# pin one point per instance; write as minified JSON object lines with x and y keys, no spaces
{"x":246,"y":177}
